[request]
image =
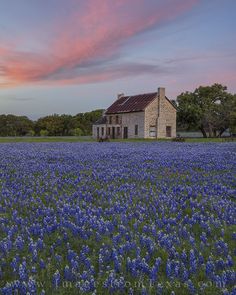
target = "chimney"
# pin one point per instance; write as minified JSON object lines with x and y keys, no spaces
{"x":119,"y":95}
{"x":161,"y":92}
{"x":161,"y":100}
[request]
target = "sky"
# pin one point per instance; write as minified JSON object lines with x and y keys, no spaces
{"x":72,"y":56}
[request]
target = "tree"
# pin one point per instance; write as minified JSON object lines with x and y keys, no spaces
{"x":57,"y":125}
{"x":77,"y":132}
{"x":68,"y":124}
{"x":53,"y":124}
{"x":208,"y":109}
{"x":84,"y":121}
{"x":23,"y":126}
{"x":11,"y":125}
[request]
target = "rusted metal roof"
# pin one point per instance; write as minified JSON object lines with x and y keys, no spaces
{"x":135,"y":103}
{"x":101,"y":121}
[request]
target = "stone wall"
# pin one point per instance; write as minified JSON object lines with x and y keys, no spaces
{"x":150,"y":118}
{"x":130,"y":120}
{"x":171,"y":117}
{"x":159,"y":114}
{"x":100,"y":126}
{"x":166,"y":115}
{"x":126,"y":120}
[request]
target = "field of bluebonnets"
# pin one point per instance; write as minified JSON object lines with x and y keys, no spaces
{"x":117,"y":218}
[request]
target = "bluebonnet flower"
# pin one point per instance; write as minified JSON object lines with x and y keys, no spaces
{"x":210,"y":268}
{"x":229,"y":261}
{"x":185,"y":275}
{"x":7,"y":289}
{"x":168,"y":268}
{"x":184,"y":256}
{"x":42,"y":264}
{"x":33,"y":270}
{"x":144,"y":291}
{"x":40,"y":244}
{"x":19,"y":242}
{"x":203,"y":237}
{"x":128,"y":200}
{"x":34,"y":255}
{"x":234,"y":236}
{"x":56,"y":279}
{"x":191,"y":287}
{"x":23,"y":272}
{"x":14,"y":264}
{"x":68,"y":275}
{"x":233,"y":291}
{"x":32,"y":288}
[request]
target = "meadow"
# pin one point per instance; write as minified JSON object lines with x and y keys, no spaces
{"x":117,"y":218}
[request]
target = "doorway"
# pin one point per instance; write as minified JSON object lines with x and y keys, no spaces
{"x":113,"y":133}
{"x":125,"y":135}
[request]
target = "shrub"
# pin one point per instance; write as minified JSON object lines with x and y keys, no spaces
{"x":43,"y":132}
{"x":179,"y":139}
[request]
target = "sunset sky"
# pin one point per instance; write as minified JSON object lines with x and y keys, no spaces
{"x":71,"y":56}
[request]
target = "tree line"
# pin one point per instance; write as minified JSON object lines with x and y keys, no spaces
{"x":52,"y":125}
{"x":209,"y":109}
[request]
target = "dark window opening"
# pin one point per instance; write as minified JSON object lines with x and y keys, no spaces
{"x":136,"y":130}
{"x":110,"y":120}
{"x":113,"y":133}
{"x":102,"y":131}
{"x":125,"y":135}
{"x":168,"y":131}
{"x":117,"y":119}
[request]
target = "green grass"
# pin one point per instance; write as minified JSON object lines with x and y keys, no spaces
{"x":89,"y":138}
{"x":46,"y":139}
{"x":216,"y":139}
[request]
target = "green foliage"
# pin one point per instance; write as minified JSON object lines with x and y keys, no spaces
{"x":208,"y":108}
{"x":84,"y":121}
{"x":65,"y":125}
{"x":31,"y":133}
{"x":43,"y":132}
{"x":232,"y":116}
{"x":77,"y":132}
{"x":11,"y":125}
{"x":53,"y":125}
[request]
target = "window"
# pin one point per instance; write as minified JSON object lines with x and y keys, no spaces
{"x":109,"y":130}
{"x":97,"y":132}
{"x":117,"y":119}
{"x":136,"y":130}
{"x":110,"y":120}
{"x":102,"y":131}
{"x":168,"y":131}
{"x":152,"y":131}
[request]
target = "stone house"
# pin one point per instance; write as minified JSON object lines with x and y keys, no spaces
{"x":149,"y":115}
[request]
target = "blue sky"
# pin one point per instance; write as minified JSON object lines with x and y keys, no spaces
{"x":71,"y":56}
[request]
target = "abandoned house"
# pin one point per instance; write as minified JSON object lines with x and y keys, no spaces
{"x":150,"y":115}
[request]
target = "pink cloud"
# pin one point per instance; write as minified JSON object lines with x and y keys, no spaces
{"x":91,"y":36}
